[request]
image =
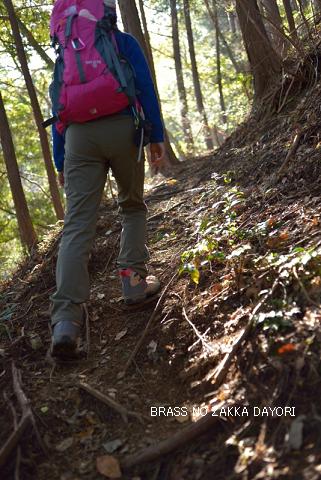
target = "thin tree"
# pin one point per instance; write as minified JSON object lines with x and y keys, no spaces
{"x":290,"y":19}
{"x":180,"y":78}
{"x":131,"y":22}
{"x":218,"y":64}
{"x":274,"y":25}
{"x":53,"y":187}
{"x":195,"y":75}
{"x":264,"y":60}
{"x":147,"y":37}
{"x":27,"y":233}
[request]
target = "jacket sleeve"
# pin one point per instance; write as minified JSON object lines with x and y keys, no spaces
{"x":145,"y":87}
{"x":58,"y":146}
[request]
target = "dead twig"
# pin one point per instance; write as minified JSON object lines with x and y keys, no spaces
{"x":304,"y":291}
{"x":111,"y":255}
{"x":15,"y":425}
{"x":14,"y":439}
{"x":149,"y":324}
{"x":200,"y":337}
{"x":25,"y":404}
{"x":111,"y":403}
{"x":222,"y":369}
{"x":87,"y":326}
{"x":291,"y":153}
{"x":174,"y":442}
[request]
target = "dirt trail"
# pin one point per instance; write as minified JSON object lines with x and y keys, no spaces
{"x":73,"y":424}
{"x":251,"y":246}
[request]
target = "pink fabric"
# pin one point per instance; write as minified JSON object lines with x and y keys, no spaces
{"x":99,"y":96}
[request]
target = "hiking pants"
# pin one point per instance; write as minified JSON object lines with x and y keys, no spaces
{"x":91,"y":149}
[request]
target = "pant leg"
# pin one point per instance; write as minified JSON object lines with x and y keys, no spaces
{"x":85,"y":176}
{"x":129,"y":175}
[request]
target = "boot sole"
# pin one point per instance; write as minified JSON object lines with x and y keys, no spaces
{"x":141,"y":305}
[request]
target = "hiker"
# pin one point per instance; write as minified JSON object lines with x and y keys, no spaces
{"x":90,"y":139}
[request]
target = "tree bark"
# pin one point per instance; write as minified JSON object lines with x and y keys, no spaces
{"x":33,"y":42}
{"x":290,"y":19}
{"x":27,"y":233}
{"x":265,"y":62}
{"x":131,"y":22}
{"x":54,"y":191}
{"x":196,"y":79}
{"x":147,"y":38}
{"x":273,"y":14}
{"x":180,"y":79}
{"x":232,"y":22}
{"x":218,"y":64}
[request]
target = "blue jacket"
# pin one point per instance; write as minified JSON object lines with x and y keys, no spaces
{"x":131,"y":50}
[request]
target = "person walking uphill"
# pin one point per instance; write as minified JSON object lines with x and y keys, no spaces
{"x":105,"y":110}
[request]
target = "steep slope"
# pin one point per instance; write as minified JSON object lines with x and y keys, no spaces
{"x":244,"y":242}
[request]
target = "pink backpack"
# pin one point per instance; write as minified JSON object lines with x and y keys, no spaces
{"x":91,"y":80}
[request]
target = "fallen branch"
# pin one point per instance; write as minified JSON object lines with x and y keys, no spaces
{"x":14,"y":439}
{"x":25,"y":404}
{"x":149,"y":324}
{"x":111,"y":403}
{"x":201,"y":338}
{"x":15,"y":425}
{"x":174,"y":442}
{"x":222,"y":369}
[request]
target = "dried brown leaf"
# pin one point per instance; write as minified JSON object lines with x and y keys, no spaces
{"x":108,"y":466}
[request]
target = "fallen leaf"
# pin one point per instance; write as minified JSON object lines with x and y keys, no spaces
{"x":65,"y":444}
{"x":85,"y":434}
{"x":113,"y":445}
{"x":216,"y":288}
{"x":100,"y":296}
{"x":288,"y":347}
{"x":44,"y":409}
{"x":121,"y":334}
{"x":152,"y":346}
{"x":108,"y":466}
{"x":296,"y":433}
{"x":172,"y":181}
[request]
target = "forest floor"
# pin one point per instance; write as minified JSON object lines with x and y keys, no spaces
{"x":238,"y":326}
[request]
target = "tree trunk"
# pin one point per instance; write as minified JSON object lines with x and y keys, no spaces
{"x":131,"y":22}
{"x":275,"y":28}
{"x":27,"y":233}
{"x":265,"y":62}
{"x":232,"y":21}
{"x":230,"y":54}
{"x":147,"y":38}
{"x":290,"y":19}
{"x":196,"y":79}
{"x":33,"y":42}
{"x":180,"y":79}
{"x":218,"y":64}
{"x":36,"y":110}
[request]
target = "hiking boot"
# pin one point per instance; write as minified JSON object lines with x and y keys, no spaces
{"x":137,"y":289}
{"x":66,"y":339}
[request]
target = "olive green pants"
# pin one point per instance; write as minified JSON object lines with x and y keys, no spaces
{"x":91,"y":149}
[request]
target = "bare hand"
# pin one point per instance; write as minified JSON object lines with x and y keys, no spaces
{"x":157,"y":156}
{"x":61,"y":179}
